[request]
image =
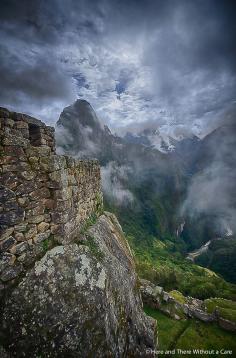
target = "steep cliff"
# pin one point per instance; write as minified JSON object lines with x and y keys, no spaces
{"x":68,"y":281}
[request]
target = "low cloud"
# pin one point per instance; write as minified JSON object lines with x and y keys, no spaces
{"x":114,"y":183}
{"x":212,"y":189}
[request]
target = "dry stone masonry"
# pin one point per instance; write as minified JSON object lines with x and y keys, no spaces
{"x":45,"y":198}
{"x":157,"y":298}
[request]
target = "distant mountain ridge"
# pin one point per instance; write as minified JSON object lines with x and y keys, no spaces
{"x":158,"y":190}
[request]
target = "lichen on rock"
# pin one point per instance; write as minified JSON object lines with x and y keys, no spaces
{"x":72,"y":303}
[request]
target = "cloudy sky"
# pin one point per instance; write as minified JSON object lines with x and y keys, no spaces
{"x":167,"y":62}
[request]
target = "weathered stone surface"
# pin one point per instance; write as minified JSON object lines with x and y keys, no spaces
{"x":10,"y":218}
{"x":42,"y":193}
{"x":11,"y":272}
{"x":6,"y":233}
{"x":73,"y":302}
{"x":7,"y":244}
{"x":227,"y":325}
{"x":42,"y":227}
{"x":36,"y":219}
{"x":32,"y":231}
{"x":6,"y":194}
{"x":28,"y":174}
{"x":22,"y":201}
{"x":10,"y":180}
{"x":53,"y":163}
{"x":199,"y":314}
{"x":6,"y":260}
{"x":19,"y":248}
{"x":25,"y":188}
{"x":42,"y":236}
{"x":14,"y":140}
{"x":19,"y":236}
{"x":15,"y":151}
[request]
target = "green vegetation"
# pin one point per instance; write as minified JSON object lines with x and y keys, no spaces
{"x":149,"y":223}
{"x":89,"y":222}
{"x":164,"y":325}
{"x":94,"y":247}
{"x":47,"y":243}
{"x":221,"y":258}
{"x":191,"y":334}
{"x":178,"y":296}
{"x":226,"y":308}
{"x":173,"y":272}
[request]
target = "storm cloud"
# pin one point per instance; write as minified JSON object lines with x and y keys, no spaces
{"x":169,"y":62}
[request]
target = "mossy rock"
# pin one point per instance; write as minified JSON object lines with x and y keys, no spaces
{"x":225,"y":308}
{"x":178,"y":296}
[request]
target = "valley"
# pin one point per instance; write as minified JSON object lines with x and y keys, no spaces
{"x":153,"y":192}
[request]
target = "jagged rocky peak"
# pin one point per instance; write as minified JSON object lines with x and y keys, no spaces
{"x":79,"y":132}
{"x":80,"y":111}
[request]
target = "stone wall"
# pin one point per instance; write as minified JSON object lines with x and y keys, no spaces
{"x":45,"y":198}
{"x":157,"y":298}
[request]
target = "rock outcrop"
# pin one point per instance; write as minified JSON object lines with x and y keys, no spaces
{"x":157,"y":298}
{"x":67,"y":273}
{"x":80,"y":300}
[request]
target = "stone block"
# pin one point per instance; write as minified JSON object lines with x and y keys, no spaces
{"x":42,"y":236}
{"x":49,"y":203}
{"x":15,"y":151}
{"x":21,"y":125}
{"x":227,"y":325}
{"x":32,"y":231}
{"x":11,"y":272}
{"x":25,"y":188}
{"x":38,"y":194}
{"x":11,"y":218}
{"x":19,"y":248}
{"x":43,"y":226}
{"x":6,"y":194}
{"x":28,"y":174}
{"x":36,"y":219}
{"x":16,"y":166}
{"x":10,"y":180}
{"x":6,"y":260}
{"x":60,"y":217}
{"x":7,"y":244}
{"x":9,"y":122}
{"x":38,"y":151}
{"x":53,"y":163}
{"x":20,"y":228}
{"x":14,"y":140}
{"x":59,"y":178}
{"x":37,"y":210}
{"x":6,"y":233}
{"x":22,"y":202}
{"x":19,"y":236}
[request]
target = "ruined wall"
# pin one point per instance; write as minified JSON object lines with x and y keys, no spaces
{"x":45,"y":198}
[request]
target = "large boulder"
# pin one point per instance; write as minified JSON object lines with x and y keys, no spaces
{"x":80,"y":300}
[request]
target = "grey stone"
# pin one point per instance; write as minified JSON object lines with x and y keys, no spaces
{"x":11,"y":272}
{"x":7,"y":244}
{"x":19,"y":248}
{"x":6,"y":260}
{"x":73,"y":299}
{"x":226,"y":324}
{"x":42,"y":236}
{"x":6,"y":233}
